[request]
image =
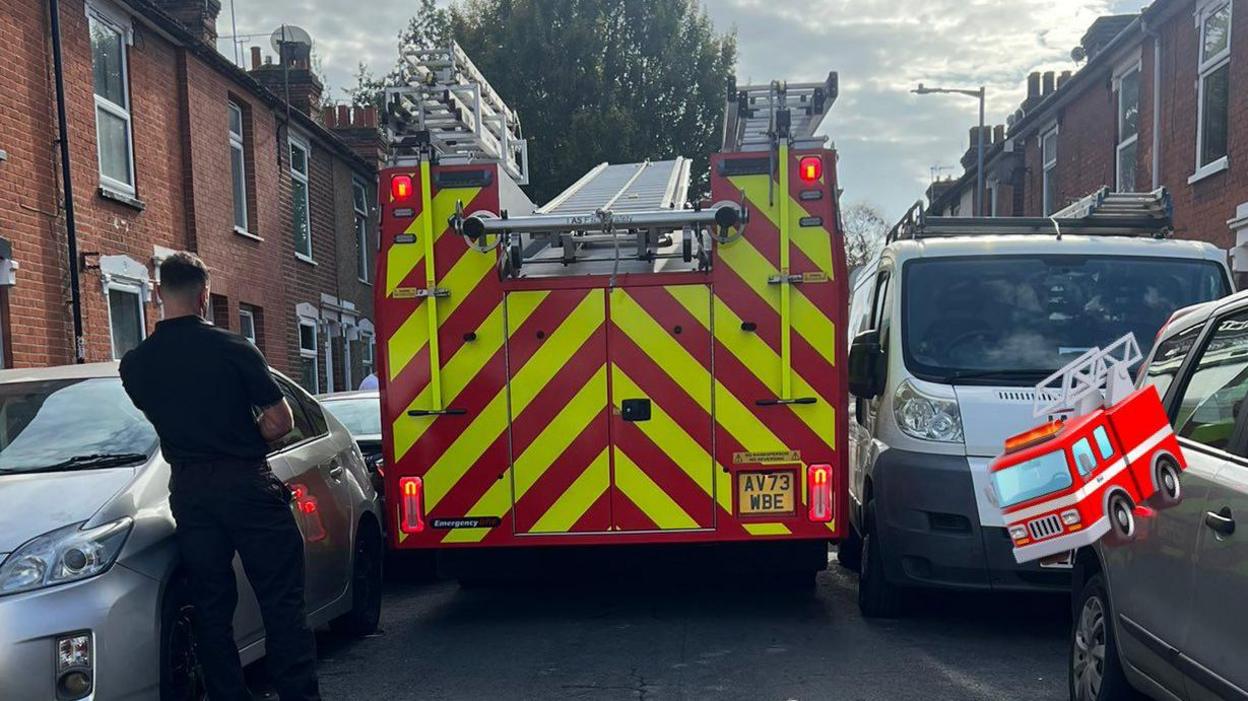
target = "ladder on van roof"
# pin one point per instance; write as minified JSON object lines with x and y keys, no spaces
{"x":1102,"y":213}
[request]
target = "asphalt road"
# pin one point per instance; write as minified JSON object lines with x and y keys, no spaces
{"x":689,"y":638}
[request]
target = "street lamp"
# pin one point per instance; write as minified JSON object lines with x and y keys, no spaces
{"x":979,"y":171}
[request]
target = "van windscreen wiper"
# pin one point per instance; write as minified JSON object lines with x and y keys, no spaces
{"x":1012,"y":374}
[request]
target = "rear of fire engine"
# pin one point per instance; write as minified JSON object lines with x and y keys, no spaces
{"x":616,"y":366}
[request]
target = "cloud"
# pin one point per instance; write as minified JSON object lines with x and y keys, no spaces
{"x":888,"y":138}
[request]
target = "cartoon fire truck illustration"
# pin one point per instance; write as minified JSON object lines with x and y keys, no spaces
{"x":1105,"y":449}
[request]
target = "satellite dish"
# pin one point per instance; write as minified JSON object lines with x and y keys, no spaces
{"x":1078,"y":54}
{"x":289,"y":35}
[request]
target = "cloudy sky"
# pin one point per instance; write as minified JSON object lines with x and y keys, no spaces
{"x":889,"y":139}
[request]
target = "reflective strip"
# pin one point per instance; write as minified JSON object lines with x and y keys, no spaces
{"x":786,"y":288}
{"x":495,"y":502}
{"x":584,"y":407}
{"x":759,"y":529}
{"x":576,"y":500}
{"x":637,"y":486}
{"x":667,"y":435}
{"x":402,"y":259}
{"x":811,"y":241}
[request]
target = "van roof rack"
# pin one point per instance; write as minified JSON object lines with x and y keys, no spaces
{"x":1102,"y":213}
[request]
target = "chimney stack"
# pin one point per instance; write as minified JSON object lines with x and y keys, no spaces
{"x":198,"y":16}
{"x":357,"y":127}
{"x":1061,"y":79}
{"x":305,"y":89}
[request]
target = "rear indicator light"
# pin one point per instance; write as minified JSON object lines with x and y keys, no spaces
{"x":412,"y":497}
{"x":1033,"y":437}
{"x":400,"y":188}
{"x":819,"y":489}
{"x":810,"y":168}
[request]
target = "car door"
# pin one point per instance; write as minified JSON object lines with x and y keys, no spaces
{"x":1152,"y":579}
{"x":1214,"y":651}
{"x":859,"y":318}
{"x":316,"y":474}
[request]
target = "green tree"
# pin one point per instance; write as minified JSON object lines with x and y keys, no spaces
{"x":601,"y":80}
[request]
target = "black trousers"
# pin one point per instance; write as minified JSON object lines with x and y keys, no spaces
{"x":231,"y":506}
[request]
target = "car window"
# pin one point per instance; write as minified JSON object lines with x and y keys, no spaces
{"x":361,"y":416}
{"x":303,"y":429}
{"x":1169,"y":356}
{"x":879,"y":306}
{"x":1085,"y":461}
{"x":860,"y":307}
{"x":1214,"y":395}
{"x":1103,"y":446}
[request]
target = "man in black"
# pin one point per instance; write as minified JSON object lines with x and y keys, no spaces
{"x":215,"y":407}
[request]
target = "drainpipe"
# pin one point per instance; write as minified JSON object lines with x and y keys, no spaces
{"x":71,"y":230}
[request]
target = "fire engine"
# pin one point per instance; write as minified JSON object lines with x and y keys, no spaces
{"x":1069,"y":482}
{"x":615,"y":366}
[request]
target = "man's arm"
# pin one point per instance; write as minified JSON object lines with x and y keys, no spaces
{"x":275,"y":421}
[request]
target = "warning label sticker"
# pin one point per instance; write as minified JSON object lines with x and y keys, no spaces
{"x":774,"y":457}
{"x":406,"y":293}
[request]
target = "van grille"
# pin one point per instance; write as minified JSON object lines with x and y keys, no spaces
{"x":1045,"y":527}
{"x":1023,"y":395}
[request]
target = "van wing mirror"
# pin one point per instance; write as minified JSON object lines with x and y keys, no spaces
{"x":867,"y":365}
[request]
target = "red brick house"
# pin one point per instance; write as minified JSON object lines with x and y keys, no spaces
{"x":1160,"y":100}
{"x":172,"y":146}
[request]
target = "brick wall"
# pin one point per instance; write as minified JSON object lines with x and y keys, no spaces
{"x":1086,"y":138}
{"x":183,"y":198}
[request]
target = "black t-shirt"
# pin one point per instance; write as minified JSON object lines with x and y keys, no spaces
{"x":200,"y":386}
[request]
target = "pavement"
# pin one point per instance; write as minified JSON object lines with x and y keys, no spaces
{"x":697,"y":637}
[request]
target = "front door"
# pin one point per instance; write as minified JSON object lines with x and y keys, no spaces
{"x":557,"y":399}
{"x":661,"y":385}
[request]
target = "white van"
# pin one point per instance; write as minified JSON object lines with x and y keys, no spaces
{"x":952,"y":327}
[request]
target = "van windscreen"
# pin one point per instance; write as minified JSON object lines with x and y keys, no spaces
{"x":1012,"y":320}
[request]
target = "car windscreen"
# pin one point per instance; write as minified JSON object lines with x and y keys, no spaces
{"x":1015,"y":319}
{"x":361,"y":416}
{"x":1035,"y":478}
{"x":71,"y":424}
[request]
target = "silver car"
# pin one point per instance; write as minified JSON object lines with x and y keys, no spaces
{"x":93,"y":604}
{"x":1164,"y":614}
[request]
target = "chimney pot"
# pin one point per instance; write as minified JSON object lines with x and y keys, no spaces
{"x":1033,"y":88}
{"x":1048,"y":83}
{"x":998,"y":134}
{"x":1061,"y":79}
{"x":343,"y":118}
{"x":198,"y":16}
{"x":255,"y":57}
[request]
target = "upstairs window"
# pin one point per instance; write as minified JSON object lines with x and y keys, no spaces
{"x":1215,"y":74}
{"x":247,"y":324}
{"x":1048,"y":154}
{"x":238,"y":167}
{"x":1128,"y":128}
{"x":300,"y":216}
{"x":111,"y":84}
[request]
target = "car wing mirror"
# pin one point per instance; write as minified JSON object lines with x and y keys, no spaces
{"x":867,"y":365}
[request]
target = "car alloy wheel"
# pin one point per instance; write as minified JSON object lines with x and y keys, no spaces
{"x":186,"y":674}
{"x":1088,"y":657}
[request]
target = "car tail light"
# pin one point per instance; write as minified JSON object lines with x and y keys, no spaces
{"x":810,"y":169}
{"x":309,"y":509}
{"x":819,"y":489}
{"x":401,"y":188}
{"x":412,"y":498}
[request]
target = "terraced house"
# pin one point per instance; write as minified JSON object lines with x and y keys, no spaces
{"x":169,"y":145}
{"x":1159,"y":100}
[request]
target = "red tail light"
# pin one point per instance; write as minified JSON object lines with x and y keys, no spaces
{"x":819,"y":489}
{"x":400,"y":187}
{"x":810,"y":168}
{"x":412,"y":502}
{"x":309,"y":514}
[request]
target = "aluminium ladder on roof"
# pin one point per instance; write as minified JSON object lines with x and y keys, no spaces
{"x":447,"y":105}
{"x":1103,"y":213}
{"x":757,"y":115}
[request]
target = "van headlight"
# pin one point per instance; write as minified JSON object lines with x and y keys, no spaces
{"x":65,"y":555}
{"x":925,"y":417}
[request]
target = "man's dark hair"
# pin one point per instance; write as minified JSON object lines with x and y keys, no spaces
{"x":183,"y":274}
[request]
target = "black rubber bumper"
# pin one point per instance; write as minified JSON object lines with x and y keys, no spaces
{"x":930,"y":534}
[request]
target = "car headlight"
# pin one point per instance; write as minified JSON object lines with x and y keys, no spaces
{"x":925,"y":417}
{"x":1018,"y":532}
{"x":65,"y":555}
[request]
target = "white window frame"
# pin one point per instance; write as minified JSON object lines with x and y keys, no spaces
{"x":237,"y":143}
{"x":247,"y":314}
{"x":360,"y":224}
{"x":97,"y":14}
{"x":1047,"y":167}
{"x":368,"y":362}
{"x":1123,"y":144}
{"x":1205,"y":67}
{"x":302,"y":145}
{"x":130,"y":288}
{"x":311,"y":353}
{"x":991,"y":193}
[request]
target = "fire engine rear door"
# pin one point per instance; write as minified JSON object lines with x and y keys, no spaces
{"x":661,"y":384}
{"x":557,"y":396}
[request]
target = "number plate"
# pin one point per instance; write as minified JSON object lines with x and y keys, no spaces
{"x":765,"y":493}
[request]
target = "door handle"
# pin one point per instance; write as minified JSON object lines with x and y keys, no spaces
{"x":1222,"y":521}
{"x":336,"y":472}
